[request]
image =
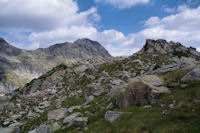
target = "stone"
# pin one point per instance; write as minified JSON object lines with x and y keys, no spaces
{"x":90,"y":98}
{"x":197,"y":101}
{"x":44,"y":129}
{"x":184,"y":85}
{"x":33,"y":131}
{"x":70,"y":118}
{"x":135,"y":94}
{"x":78,"y":121}
{"x":161,"y":89}
{"x":57,"y":114}
{"x":192,"y":75}
{"x":110,"y":106}
{"x":71,"y":109}
{"x":44,"y":104}
{"x":56,"y":126}
{"x":1,"y":107}
{"x":173,"y":84}
{"x":152,"y":80}
{"x":171,"y":106}
{"x":117,"y":82}
{"x":6,"y":123}
{"x":7,"y":130}
{"x":110,"y":116}
{"x":94,"y":89}
{"x":81,"y":69}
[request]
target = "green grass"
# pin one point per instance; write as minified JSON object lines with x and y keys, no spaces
{"x":73,"y":101}
{"x":180,"y":54}
{"x":32,"y":124}
{"x":150,"y":120}
{"x":174,"y":76}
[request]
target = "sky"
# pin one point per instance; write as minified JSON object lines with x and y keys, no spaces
{"x":121,"y":26}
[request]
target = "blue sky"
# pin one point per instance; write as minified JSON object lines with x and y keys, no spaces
{"x":121,"y":26}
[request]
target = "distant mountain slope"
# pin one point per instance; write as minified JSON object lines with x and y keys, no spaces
{"x":18,"y":66}
{"x":82,"y":49}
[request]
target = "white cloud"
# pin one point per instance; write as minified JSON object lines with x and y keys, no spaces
{"x":169,"y":10}
{"x":123,"y":3}
{"x":198,"y":49}
{"x":30,"y":25}
{"x":183,"y":27}
{"x":37,"y":15}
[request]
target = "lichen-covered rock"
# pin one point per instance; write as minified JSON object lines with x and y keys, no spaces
{"x":70,"y":119}
{"x":57,"y":114}
{"x":78,"y":121}
{"x":136,"y":94}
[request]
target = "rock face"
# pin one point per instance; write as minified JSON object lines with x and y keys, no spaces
{"x":164,"y":47}
{"x":18,"y":67}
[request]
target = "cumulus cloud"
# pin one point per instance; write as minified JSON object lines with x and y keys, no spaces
{"x":169,"y":10}
{"x":30,"y":25}
{"x":183,"y":27}
{"x":37,"y":15}
{"x":123,"y":3}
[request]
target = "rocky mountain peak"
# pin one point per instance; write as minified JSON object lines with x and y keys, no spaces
{"x":171,"y":48}
{"x":80,"y":49}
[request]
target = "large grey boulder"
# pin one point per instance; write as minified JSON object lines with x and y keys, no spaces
{"x":57,"y":114}
{"x":192,"y":75}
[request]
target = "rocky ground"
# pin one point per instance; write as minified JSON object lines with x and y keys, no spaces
{"x":153,"y":91}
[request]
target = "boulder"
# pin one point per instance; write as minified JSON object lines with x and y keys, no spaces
{"x":57,"y":114}
{"x":94,"y":89}
{"x":78,"y":121}
{"x":81,"y":69}
{"x":193,"y":75}
{"x":110,"y":116}
{"x":7,"y":130}
{"x":152,"y":80}
{"x":70,"y":119}
{"x":136,"y":94}
{"x":71,"y":109}
{"x":117,"y":82}
{"x":44,"y":129}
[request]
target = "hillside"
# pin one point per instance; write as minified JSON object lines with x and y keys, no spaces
{"x":18,"y":67}
{"x":154,"y":90}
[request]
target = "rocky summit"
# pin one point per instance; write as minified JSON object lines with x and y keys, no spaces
{"x":18,"y":67}
{"x":156,"y":90}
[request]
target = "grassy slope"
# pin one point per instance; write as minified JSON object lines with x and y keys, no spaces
{"x":151,"y":120}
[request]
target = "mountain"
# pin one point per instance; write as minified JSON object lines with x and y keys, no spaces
{"x":18,"y":67}
{"x":82,"y":49}
{"x":156,"y":87}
